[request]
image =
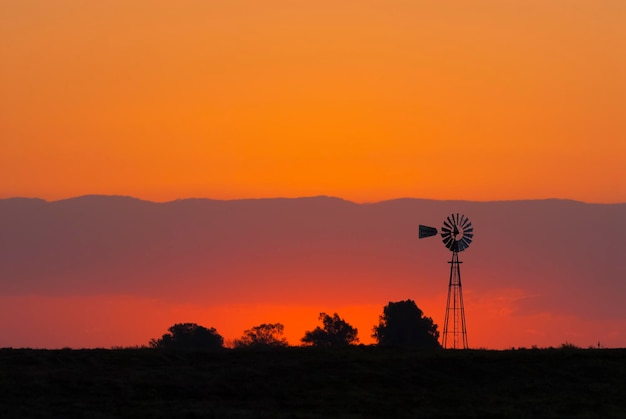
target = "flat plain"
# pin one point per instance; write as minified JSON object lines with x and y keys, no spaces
{"x":353,"y":382}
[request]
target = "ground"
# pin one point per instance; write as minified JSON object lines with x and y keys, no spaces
{"x":354,"y":382}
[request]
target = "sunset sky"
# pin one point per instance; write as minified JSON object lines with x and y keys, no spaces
{"x":364,"y":100}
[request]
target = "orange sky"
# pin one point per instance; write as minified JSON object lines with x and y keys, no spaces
{"x":109,"y":321}
{"x":359,"y":99}
{"x":364,"y":100}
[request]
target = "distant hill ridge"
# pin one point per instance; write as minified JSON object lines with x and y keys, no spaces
{"x":208,"y":250}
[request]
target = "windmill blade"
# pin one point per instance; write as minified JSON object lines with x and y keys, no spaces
{"x":466,"y":241}
{"x":468,"y":230}
{"x":447,"y":241}
{"x":468,"y":235}
{"x":446,"y":230}
{"x":447,"y":225}
{"x":462,"y":219}
{"x":426,"y":231}
{"x":450,"y":221}
{"x":466,"y":222}
{"x":462,"y":246}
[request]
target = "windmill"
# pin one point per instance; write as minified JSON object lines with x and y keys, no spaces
{"x":457,"y":233}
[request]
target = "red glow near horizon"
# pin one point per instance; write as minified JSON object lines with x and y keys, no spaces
{"x":122,"y":321}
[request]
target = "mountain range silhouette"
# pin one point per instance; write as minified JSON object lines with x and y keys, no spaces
{"x":564,"y":254}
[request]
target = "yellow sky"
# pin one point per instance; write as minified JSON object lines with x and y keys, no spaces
{"x":366,"y":100}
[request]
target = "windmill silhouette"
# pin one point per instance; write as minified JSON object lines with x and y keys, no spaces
{"x":457,"y":234}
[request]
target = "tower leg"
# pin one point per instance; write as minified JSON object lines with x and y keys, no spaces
{"x":454,"y":329}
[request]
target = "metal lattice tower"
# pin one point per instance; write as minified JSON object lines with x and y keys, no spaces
{"x":457,"y":233}
{"x":454,"y":330}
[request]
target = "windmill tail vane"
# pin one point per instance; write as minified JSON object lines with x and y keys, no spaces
{"x":425,"y":231}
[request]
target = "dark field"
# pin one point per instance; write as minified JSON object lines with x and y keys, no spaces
{"x":353,"y":382}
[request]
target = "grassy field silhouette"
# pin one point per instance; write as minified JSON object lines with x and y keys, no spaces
{"x":301,"y":382}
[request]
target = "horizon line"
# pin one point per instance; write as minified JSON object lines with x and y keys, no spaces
{"x":103,"y":195}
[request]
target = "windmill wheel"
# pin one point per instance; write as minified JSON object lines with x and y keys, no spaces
{"x":457,"y":232}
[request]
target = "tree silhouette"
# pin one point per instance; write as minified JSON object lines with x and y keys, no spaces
{"x":403,"y":324}
{"x":262,"y":336}
{"x":336,"y":332}
{"x":189,"y":336}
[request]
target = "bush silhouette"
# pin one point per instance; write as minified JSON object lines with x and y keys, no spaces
{"x":266,"y":335}
{"x":403,"y":324}
{"x":189,"y":336}
{"x":336,"y":332}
